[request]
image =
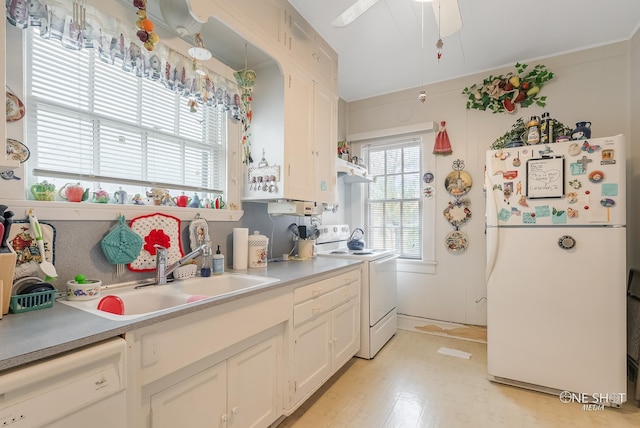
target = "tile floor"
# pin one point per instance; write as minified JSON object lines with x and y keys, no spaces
{"x":408,"y":384}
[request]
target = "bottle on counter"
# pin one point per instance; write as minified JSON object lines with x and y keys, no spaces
{"x":218,"y":262}
{"x":205,"y":269}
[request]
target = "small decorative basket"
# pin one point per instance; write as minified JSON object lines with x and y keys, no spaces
{"x":186,"y":271}
{"x":31,"y":302}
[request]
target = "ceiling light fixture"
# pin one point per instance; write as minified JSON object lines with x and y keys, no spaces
{"x":353,"y":12}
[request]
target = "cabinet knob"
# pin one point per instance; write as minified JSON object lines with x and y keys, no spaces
{"x":316,"y":292}
{"x":224,"y":418}
{"x":235,"y":410}
{"x":316,"y":310}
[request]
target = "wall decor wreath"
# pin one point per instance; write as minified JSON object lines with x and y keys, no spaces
{"x":505,"y":93}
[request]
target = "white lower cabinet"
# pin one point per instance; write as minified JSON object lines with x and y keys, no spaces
{"x":219,"y":367}
{"x":197,"y":401}
{"x":326,"y":333}
{"x":238,"y":392}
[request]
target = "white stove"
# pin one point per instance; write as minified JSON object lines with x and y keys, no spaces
{"x":333,"y":239}
{"x":379,"y":295}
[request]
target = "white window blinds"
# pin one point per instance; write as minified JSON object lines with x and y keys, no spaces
{"x":90,"y":121}
{"x":393,"y":203}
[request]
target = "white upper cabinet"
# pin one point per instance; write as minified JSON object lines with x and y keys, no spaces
{"x":302,"y":139}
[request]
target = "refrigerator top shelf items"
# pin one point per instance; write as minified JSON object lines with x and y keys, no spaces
{"x":574,"y":183}
{"x":352,"y":173}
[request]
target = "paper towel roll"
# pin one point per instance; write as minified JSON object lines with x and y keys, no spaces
{"x":240,"y":247}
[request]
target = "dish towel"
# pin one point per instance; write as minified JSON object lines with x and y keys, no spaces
{"x":443,"y":145}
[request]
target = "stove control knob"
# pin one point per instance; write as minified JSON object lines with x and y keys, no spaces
{"x":566,"y":242}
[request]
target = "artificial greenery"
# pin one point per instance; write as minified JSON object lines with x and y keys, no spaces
{"x":505,"y":93}
{"x":519,"y":127}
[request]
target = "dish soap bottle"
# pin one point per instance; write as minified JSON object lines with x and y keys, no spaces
{"x":218,"y":262}
{"x":205,"y":270}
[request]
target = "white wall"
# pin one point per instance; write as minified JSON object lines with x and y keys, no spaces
{"x":589,"y":85}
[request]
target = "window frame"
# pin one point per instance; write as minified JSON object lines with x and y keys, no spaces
{"x":385,"y":146}
{"x":60,"y":210}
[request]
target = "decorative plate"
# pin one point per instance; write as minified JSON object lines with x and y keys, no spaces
{"x":15,"y":108}
{"x":17,"y":151}
{"x":457,"y":242}
{"x":457,"y":213}
{"x":458,"y":183}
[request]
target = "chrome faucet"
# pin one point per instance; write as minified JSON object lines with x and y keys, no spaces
{"x":163,"y":269}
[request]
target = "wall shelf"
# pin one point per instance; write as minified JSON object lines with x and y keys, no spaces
{"x":352,"y":173}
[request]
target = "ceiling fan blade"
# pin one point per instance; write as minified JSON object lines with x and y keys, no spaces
{"x":447,"y":15}
{"x":353,"y":12}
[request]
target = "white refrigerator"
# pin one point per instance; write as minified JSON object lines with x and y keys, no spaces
{"x":556,"y":268}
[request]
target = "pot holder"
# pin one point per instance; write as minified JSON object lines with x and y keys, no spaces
{"x":26,"y":248}
{"x":158,"y":229}
{"x":121,"y":245}
{"x":198,"y":232}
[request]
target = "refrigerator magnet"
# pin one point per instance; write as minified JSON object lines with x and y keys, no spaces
{"x":574,"y":149}
{"x":607,"y":157}
{"x":607,"y":202}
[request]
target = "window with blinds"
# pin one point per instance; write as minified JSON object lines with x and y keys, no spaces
{"x":393,"y":201}
{"x":92,"y":122}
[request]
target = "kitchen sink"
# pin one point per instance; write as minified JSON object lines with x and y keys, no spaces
{"x":147,"y":300}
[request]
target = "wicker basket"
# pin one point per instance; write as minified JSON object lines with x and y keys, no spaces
{"x":184,"y":272}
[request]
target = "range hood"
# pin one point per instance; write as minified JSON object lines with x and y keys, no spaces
{"x":352,"y":173}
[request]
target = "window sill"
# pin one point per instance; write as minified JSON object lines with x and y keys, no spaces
{"x":87,"y":211}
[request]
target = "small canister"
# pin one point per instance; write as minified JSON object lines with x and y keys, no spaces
{"x":258,"y":250}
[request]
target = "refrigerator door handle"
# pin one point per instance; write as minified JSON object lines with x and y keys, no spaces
{"x":492,"y":250}
{"x":492,"y":222}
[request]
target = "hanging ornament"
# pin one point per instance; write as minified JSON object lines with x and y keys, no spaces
{"x":442,"y":145}
{"x":145,"y":26}
{"x":422,"y":96}
{"x":439,"y":43}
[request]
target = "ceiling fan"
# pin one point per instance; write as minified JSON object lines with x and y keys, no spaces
{"x":446,"y":12}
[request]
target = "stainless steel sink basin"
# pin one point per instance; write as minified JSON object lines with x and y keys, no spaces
{"x":149,"y":300}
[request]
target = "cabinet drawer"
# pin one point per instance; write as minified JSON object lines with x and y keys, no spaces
{"x":316,"y":289}
{"x":345,"y":293}
{"x":307,"y":310}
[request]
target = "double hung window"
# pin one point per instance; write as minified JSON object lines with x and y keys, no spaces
{"x":92,"y":122}
{"x":393,"y":201}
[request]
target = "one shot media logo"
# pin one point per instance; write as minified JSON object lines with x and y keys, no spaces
{"x":594,"y":401}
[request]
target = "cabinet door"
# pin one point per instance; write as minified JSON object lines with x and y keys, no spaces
{"x":301,"y":39}
{"x":345,"y":332}
{"x":253,"y":386}
{"x":197,"y":401}
{"x":326,"y":144}
{"x":299,"y":156}
{"x":326,"y":67}
{"x":311,"y":356}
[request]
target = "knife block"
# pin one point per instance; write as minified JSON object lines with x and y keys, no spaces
{"x":7,"y":268}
